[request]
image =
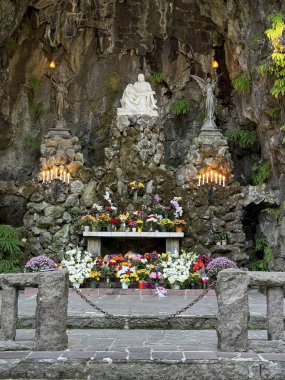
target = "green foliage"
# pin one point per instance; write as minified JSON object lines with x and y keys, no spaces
{"x":32,"y":143}
{"x":274,"y":113}
{"x":180,"y":107}
{"x":34,"y":84}
{"x":11,"y":44}
{"x":260,"y":173}
{"x":257,"y":37}
{"x":156,"y":78}
{"x":275,"y":212}
{"x":282,"y":128}
{"x":36,"y":109}
{"x":9,"y":249}
{"x":242,"y":83}
{"x":276,"y":66}
{"x":243,"y":137}
{"x":261,"y":245}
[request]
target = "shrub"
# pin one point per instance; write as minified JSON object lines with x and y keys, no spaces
{"x":218,"y":264}
{"x":180,"y":107}
{"x":39,"y":263}
{"x":242,"y":83}
{"x":260,"y":173}
{"x":243,"y":137}
{"x":156,"y":78}
{"x":9,"y":249}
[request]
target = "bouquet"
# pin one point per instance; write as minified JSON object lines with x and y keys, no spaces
{"x":218,"y":264}
{"x":78,"y":264}
{"x":87,"y":219}
{"x":177,"y":268}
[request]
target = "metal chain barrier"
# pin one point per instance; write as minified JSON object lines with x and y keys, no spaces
{"x":166,"y":318}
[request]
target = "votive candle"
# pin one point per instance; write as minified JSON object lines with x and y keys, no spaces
{"x":199,"y":180}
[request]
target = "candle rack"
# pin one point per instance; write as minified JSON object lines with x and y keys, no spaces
{"x":212,"y":177}
{"x":56,"y":173}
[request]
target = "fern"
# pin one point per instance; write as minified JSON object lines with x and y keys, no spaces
{"x":275,"y":212}
{"x":180,"y":107}
{"x":242,"y":83}
{"x":243,"y":137}
{"x":156,"y":78}
{"x":36,"y":109}
{"x":274,"y":113}
{"x":260,"y":173}
{"x":261,"y":245}
{"x":9,"y":249}
{"x":34,"y":84}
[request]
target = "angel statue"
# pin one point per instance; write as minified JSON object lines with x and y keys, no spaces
{"x":208,"y":87}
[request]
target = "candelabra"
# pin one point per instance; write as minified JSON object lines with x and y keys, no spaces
{"x":211,"y":176}
{"x":61,"y":174}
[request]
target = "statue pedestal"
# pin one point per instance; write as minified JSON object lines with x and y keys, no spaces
{"x":60,"y":130}
{"x":209,"y":124}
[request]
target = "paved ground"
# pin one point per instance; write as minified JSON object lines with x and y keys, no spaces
{"x":143,"y":304}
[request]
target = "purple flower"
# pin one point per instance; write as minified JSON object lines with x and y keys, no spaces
{"x":218,"y":264}
{"x":39,"y":263}
{"x":156,"y":199}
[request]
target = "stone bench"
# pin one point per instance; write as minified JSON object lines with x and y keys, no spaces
{"x":51,"y":310}
{"x":233,"y":310}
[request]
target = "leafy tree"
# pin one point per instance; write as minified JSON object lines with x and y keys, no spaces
{"x":9,"y":249}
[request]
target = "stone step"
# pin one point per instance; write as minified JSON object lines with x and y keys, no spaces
{"x":187,"y":322}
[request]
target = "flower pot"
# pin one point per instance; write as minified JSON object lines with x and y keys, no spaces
{"x":139,"y":229}
{"x":175,"y":286}
{"x":123,"y":227}
{"x":108,"y":282}
{"x":93,"y":285}
{"x":76,"y":285}
{"x":134,"y":229}
{"x":224,"y":242}
{"x":135,"y":196}
{"x":125,"y":285}
{"x":141,"y":284}
{"x":86,"y":228}
{"x":218,"y":243}
{"x":179,"y":229}
{"x":104,"y":229}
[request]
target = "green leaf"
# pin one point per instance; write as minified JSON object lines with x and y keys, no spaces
{"x":242,"y":83}
{"x":260,"y":173}
{"x":180,"y":107}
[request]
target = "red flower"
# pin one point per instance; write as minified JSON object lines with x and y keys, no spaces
{"x":115,"y":221}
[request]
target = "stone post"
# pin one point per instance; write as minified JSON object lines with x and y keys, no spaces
{"x":275,"y":324}
{"x":233,"y":311}
{"x":9,"y":313}
{"x":51,"y":313}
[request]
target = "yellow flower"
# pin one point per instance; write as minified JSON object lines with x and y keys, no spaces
{"x":164,"y":255}
{"x":140,"y":184}
{"x":152,"y":266}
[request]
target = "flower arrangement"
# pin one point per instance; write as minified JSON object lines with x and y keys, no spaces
{"x":218,"y":264}
{"x":94,"y":275}
{"x":132,"y":223}
{"x":177,"y":268}
{"x":103,"y":220}
{"x":179,"y":222}
{"x":87,"y":219}
{"x":143,"y":274}
{"x":127,"y":274}
{"x":139,"y":223}
{"x":135,"y":185}
{"x":115,"y":221}
{"x":40,"y":263}
{"x":96,"y":207}
{"x":124,"y":217}
{"x":78,"y":263}
{"x":174,"y":204}
{"x":194,"y":278}
{"x":156,"y":276}
{"x":165,"y":224}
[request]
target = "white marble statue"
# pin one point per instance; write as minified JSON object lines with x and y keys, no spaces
{"x":208,"y":87}
{"x":138,"y":99}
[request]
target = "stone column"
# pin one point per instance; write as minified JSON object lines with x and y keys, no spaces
{"x":9,"y":313}
{"x":94,"y":246}
{"x":275,"y":324}
{"x":51,"y":312}
{"x":233,"y":311}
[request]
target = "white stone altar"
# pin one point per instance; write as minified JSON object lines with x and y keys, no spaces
{"x":94,"y":242}
{"x":138,"y":99}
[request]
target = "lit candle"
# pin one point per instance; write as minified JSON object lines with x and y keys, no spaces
{"x":60,"y":174}
{"x":44,"y":176}
{"x":55,"y":173}
{"x":207,"y":176}
{"x":203,"y":179}
{"x":212,"y":175}
{"x":64,"y":176}
{"x":199,"y":181}
{"x":68,"y":177}
{"x":216,"y":177}
{"x":47,"y":177}
{"x":224,"y":181}
{"x":220,"y":179}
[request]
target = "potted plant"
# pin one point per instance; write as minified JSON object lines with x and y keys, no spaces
{"x":93,"y":278}
{"x":151,"y":219}
{"x":133,"y":225}
{"x":218,"y":240}
{"x":165,"y":224}
{"x":103,"y":221}
{"x":218,"y":264}
{"x":194,"y":279}
{"x":87,"y":220}
{"x":224,"y":238}
{"x":127,"y":274}
{"x":115,"y":223}
{"x":136,"y":188}
{"x":124,"y":218}
{"x":143,"y":275}
{"x":179,"y":224}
